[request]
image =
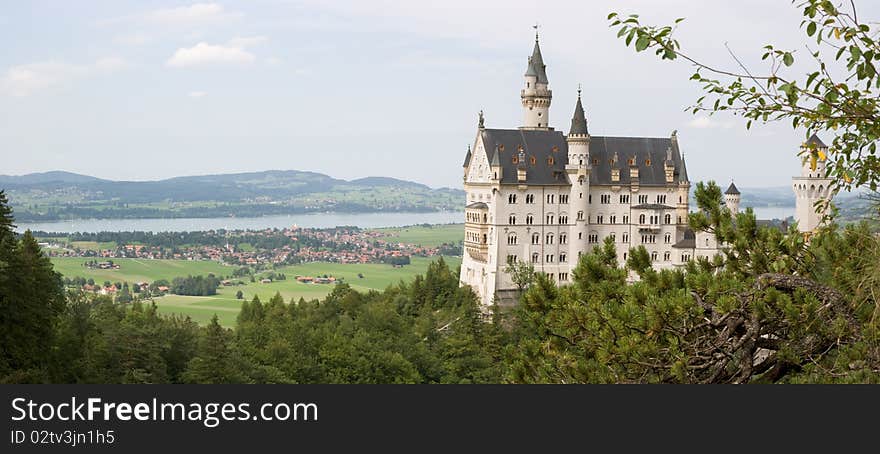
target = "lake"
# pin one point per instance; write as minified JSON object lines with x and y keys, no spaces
{"x":311,"y":220}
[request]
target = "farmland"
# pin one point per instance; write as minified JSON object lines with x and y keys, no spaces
{"x":224,"y":304}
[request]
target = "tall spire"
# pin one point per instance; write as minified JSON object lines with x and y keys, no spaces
{"x":536,"y":67}
{"x":579,"y":120}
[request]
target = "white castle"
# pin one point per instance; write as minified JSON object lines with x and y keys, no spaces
{"x":537,"y":195}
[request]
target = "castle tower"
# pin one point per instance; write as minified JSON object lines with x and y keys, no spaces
{"x":578,"y":170}
{"x":536,"y":94}
{"x":731,"y":198}
{"x":812,"y":185}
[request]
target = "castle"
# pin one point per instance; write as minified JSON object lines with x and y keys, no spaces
{"x":537,"y":195}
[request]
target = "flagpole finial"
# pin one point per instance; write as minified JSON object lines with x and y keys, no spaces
{"x":536,"y":30}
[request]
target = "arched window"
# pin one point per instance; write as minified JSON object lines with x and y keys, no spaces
{"x":511,"y":219}
{"x":511,"y":198}
{"x":666,"y":256}
{"x":511,"y":239}
{"x":641,"y":219}
{"x":667,"y":219}
{"x":535,"y":257}
{"x":536,"y":238}
{"x":668,"y":238}
{"x":549,"y":239}
{"x":529,"y":219}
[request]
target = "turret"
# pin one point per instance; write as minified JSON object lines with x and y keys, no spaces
{"x":731,"y":198}
{"x":578,"y":137}
{"x":536,"y":94}
{"x":812,"y":186}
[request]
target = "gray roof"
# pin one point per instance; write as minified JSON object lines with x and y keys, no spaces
{"x":732,"y":190}
{"x":641,"y":149}
{"x":653,"y":206}
{"x":649,"y":155}
{"x":688,"y":242}
{"x":578,"y":120}
{"x":467,"y":157}
{"x":815,"y":140}
{"x":478,"y":205}
{"x":505,"y":144}
{"x":537,"y":67}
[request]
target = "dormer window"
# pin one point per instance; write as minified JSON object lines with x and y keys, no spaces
{"x":533,"y":160}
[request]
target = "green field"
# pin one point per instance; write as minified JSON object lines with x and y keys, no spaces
{"x":428,"y":236}
{"x":224,"y":304}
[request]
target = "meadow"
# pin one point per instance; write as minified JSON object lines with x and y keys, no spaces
{"x":224,"y":304}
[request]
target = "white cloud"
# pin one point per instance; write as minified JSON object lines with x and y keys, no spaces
{"x":273,"y":61}
{"x":31,"y":78}
{"x":708,"y":123}
{"x":204,"y":54}
{"x":247,"y":41}
{"x":197,"y":94}
{"x":196,"y":14}
{"x":132,"y":39}
{"x":110,"y":65}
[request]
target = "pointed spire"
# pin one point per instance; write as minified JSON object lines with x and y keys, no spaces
{"x":732,"y":190}
{"x":467,"y":157}
{"x":496,"y":161}
{"x":579,"y":120}
{"x":537,"y":68}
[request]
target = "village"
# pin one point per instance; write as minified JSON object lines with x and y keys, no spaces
{"x":259,"y":249}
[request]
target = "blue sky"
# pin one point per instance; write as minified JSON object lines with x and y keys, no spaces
{"x":146,"y":90}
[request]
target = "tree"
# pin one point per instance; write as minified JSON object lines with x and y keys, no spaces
{"x":213,"y":362}
{"x":836,"y":96}
{"x":239,"y":295}
{"x":521,"y":273}
{"x":769,"y":308}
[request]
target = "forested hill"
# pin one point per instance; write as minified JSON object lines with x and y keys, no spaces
{"x":65,"y":195}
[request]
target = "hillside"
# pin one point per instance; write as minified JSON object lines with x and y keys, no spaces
{"x":63,"y":195}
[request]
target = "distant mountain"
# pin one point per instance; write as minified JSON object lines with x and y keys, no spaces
{"x":65,"y":195}
{"x":57,"y":176}
{"x":386,"y":181}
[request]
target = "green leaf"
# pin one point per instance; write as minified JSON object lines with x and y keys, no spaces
{"x":811,"y":29}
{"x":788,"y":59}
{"x":642,"y":43}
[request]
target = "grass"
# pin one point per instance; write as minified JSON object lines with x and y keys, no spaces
{"x":93,"y":245}
{"x":428,"y":236}
{"x":224,"y":304}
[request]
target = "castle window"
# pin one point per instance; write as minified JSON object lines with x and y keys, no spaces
{"x":643,"y":198}
{"x":511,"y":259}
{"x":511,"y":219}
{"x":647,"y":162}
{"x":624,"y":238}
{"x":593,"y":238}
{"x":563,"y":238}
{"x":631,"y":161}
{"x":533,"y":160}
{"x":641,"y":219}
{"x":554,"y":149}
{"x":624,"y":198}
{"x":580,"y":235}
{"x":668,"y":238}
{"x":654,"y":256}
{"x":535,"y":257}
{"x":515,"y":160}
{"x":612,"y":219}
{"x":580,"y":215}
{"x":563,"y":219}
{"x":590,"y":198}
{"x":511,"y":239}
{"x":536,"y":238}
{"x":666,"y":256}
{"x":605,"y":198}
{"x":624,"y":256}
{"x":563,"y":276}
{"x":599,"y":219}
{"x":548,"y":258}
{"x":529,"y":219}
{"x":667,"y":219}
{"x":550,"y":198}
{"x":562,"y":258}
{"x":550,"y":161}
{"x":612,"y":236}
{"x":595,"y":161}
{"x":511,"y":198}
{"x":530,"y":198}
{"x":563,"y":198}
{"x":626,"y":219}
{"x":549,"y":219}
{"x":549,"y":239}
